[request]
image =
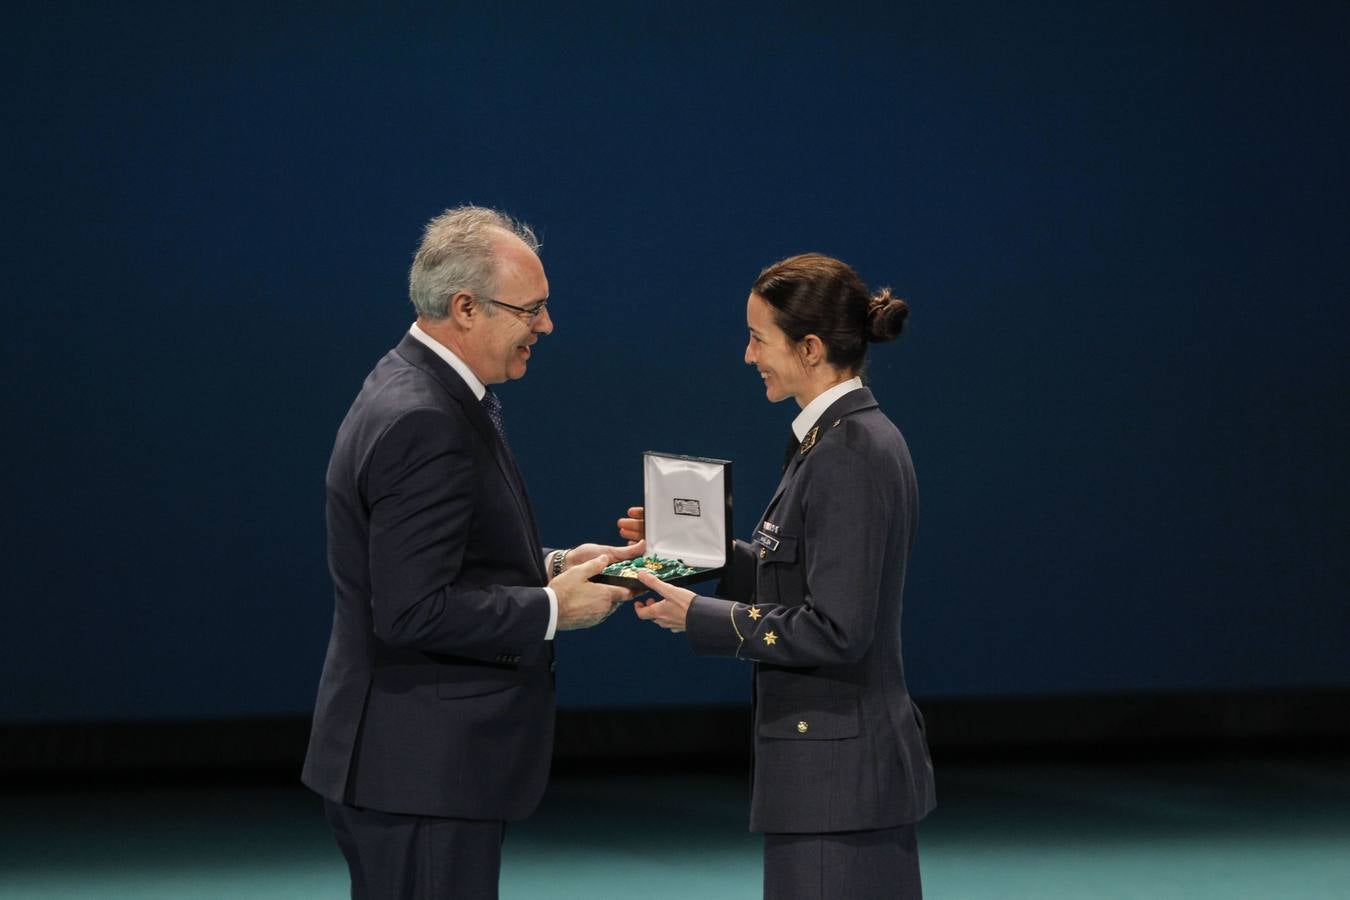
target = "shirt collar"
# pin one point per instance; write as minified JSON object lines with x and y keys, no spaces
{"x":453,"y":361}
{"x":812,"y":411}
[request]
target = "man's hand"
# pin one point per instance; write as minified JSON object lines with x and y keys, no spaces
{"x":583,"y":603}
{"x":634,"y":526}
{"x":586,"y":552}
{"x":671,"y":610}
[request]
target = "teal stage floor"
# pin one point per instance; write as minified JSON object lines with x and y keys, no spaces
{"x":1231,"y":829}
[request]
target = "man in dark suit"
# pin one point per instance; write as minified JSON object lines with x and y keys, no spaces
{"x":434,"y":719}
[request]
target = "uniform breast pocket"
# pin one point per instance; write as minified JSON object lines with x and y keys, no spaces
{"x":778,"y":577}
{"x":832,"y":717}
{"x":775,"y":548}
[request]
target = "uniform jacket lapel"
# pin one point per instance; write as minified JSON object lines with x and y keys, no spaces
{"x":852,"y":402}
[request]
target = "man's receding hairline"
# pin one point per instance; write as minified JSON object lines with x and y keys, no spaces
{"x":499,"y":233}
{"x":503,"y":262}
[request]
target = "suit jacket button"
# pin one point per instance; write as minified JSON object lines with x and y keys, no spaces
{"x":802,"y":727}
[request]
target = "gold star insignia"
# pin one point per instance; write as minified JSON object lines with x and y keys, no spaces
{"x":770,"y":638}
{"x":753,"y":612}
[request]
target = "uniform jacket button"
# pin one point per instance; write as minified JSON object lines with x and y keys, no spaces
{"x":802,"y":727}
{"x":763,"y":552}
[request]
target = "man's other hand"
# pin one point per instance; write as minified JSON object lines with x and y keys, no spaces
{"x":583,"y":603}
{"x":583,"y":553}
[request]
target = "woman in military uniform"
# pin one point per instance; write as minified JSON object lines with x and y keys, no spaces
{"x":842,"y":771}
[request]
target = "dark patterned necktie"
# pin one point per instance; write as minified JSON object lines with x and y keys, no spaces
{"x":792,"y":446}
{"x":493,"y":405}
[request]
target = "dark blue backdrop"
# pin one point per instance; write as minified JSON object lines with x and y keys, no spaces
{"x":1122,"y":228}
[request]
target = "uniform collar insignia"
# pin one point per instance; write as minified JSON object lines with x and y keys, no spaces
{"x":810,"y":440}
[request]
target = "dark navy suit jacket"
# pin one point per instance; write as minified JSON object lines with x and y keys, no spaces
{"x":815,"y":601}
{"x":437,"y":693}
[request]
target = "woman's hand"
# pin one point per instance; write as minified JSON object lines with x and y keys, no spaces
{"x":634,"y":526}
{"x":671,"y":611}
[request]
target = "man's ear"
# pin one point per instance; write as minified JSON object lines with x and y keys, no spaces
{"x":812,"y":350}
{"x":463,"y":310}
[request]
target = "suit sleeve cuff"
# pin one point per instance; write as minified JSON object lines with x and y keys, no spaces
{"x":552,"y":613}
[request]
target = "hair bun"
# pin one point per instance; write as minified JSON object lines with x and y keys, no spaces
{"x":886,"y":316}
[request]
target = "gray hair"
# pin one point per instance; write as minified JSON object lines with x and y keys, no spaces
{"x":457,"y":255}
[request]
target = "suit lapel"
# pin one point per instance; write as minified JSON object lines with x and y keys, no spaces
{"x":418,"y":354}
{"x":507,"y":460}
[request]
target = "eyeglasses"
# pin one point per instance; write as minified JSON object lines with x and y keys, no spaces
{"x":531,"y":312}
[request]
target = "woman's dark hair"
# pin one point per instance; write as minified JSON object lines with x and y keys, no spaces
{"x":816,"y":294}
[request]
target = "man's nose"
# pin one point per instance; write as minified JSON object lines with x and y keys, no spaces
{"x":543,"y":324}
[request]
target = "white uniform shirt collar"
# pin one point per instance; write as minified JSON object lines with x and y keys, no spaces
{"x":453,"y":361}
{"x":813,"y":410}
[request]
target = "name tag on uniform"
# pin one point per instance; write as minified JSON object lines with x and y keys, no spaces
{"x":766,"y":540}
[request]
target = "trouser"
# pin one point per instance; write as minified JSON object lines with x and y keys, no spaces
{"x":856,"y":865}
{"x":399,"y":857}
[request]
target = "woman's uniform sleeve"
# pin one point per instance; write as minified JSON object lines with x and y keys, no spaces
{"x":816,"y":591}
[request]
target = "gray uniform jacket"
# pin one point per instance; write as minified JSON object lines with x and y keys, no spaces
{"x":815,"y":602}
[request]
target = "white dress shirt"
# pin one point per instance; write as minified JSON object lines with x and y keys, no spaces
{"x":813,"y":410}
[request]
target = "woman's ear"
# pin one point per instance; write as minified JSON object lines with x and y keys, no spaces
{"x":812,"y":350}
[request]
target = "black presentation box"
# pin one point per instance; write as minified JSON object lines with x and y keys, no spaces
{"x":688,"y":516}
